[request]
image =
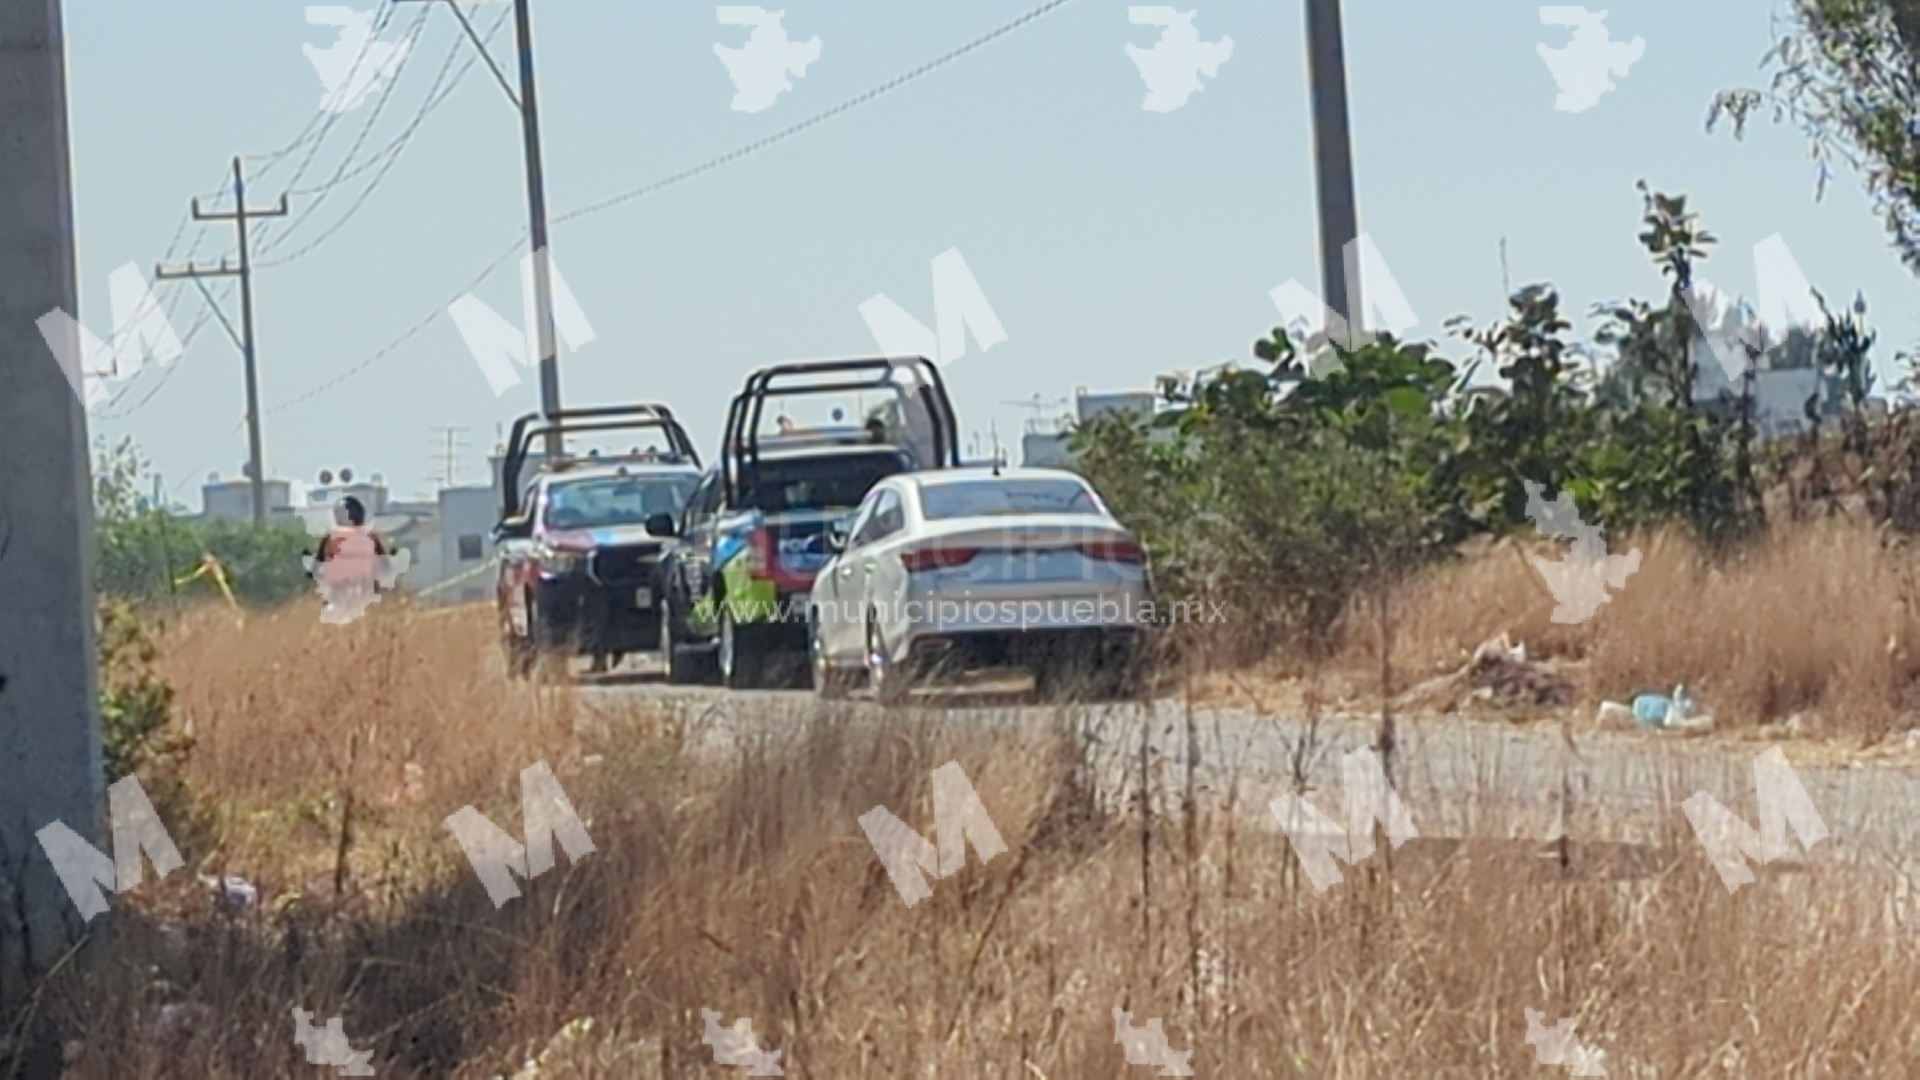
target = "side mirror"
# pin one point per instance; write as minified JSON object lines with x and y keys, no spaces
{"x":837,"y":537}
{"x":515,"y":528}
{"x":662,"y":525}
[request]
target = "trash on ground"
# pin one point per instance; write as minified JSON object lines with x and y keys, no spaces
{"x":1498,"y":673}
{"x":1614,"y":714}
{"x":234,"y":892}
{"x":1678,"y":711}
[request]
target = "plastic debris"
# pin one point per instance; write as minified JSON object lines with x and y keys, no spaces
{"x":181,"y":1020}
{"x":1651,"y":709}
{"x":1615,"y":714}
{"x":1678,"y":711}
{"x":234,"y":893}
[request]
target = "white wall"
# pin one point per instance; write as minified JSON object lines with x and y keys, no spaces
{"x":470,"y":513}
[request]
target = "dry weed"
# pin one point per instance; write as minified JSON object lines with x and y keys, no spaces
{"x":730,"y":873}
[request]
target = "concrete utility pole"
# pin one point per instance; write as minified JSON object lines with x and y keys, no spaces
{"x":1333,"y":162}
{"x":536,"y":206}
{"x":255,"y":467}
{"x":537,"y":212}
{"x":49,"y":718}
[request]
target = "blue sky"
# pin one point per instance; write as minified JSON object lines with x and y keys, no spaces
{"x":1112,"y":242}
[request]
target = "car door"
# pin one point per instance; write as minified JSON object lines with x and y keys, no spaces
{"x":867,"y":571}
{"x":840,"y":603}
{"x":517,"y":566}
{"x":693,"y":562}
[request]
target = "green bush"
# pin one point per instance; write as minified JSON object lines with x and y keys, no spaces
{"x":136,"y":704}
{"x":146,"y":552}
{"x":1287,"y":494}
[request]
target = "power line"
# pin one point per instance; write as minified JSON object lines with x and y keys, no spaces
{"x":323,"y":116}
{"x":480,"y":46}
{"x":186,"y":341}
{"x":407,"y":335}
{"x":398,"y":146}
{"x":211,"y":454}
{"x":406,"y":133}
{"x":269,"y":243}
{"x":172,"y":309}
{"x":819,"y":118}
{"x":733,"y":155}
{"x":325,"y":119}
{"x":172,"y":246}
{"x":257,"y":470}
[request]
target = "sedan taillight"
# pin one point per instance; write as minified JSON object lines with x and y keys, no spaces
{"x":936,"y":558}
{"x":1123,"y":550}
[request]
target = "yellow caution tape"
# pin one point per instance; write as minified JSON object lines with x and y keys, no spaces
{"x":210,"y":566}
{"x":483,"y":568}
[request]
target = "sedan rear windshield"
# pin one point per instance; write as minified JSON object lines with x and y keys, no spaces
{"x":818,"y":481}
{"x":994,"y":498}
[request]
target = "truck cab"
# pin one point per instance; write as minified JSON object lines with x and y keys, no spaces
{"x":737,"y":580}
{"x":580,"y":539}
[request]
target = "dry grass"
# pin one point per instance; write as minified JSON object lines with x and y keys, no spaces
{"x":1819,"y":622}
{"x":731,"y":874}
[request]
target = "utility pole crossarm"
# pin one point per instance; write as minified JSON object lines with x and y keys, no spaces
{"x":194,"y":270}
{"x":279,"y":210}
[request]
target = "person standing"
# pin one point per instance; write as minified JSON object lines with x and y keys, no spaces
{"x":350,"y":558}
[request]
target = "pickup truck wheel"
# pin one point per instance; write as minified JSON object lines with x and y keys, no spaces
{"x":549,"y":657}
{"x":741,"y":667}
{"x":681,"y":668}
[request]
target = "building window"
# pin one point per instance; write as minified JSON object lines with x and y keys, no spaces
{"x":470,"y":548}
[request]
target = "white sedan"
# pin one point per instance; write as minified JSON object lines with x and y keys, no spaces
{"x":956,"y":570}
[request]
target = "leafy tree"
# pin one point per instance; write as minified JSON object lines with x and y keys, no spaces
{"x":143,"y":551}
{"x":1302,"y":487}
{"x":1533,"y":429}
{"x":1847,"y":72}
{"x":1298,"y":491}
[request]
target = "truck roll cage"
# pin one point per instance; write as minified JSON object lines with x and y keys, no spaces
{"x":641,"y":417}
{"x":740,"y":445}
